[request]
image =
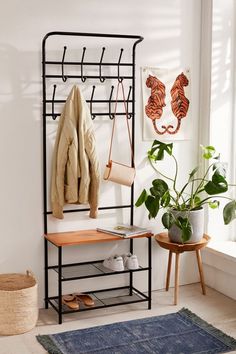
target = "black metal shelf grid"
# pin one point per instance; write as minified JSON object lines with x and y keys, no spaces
{"x":89,"y":270}
{"x":104,"y":298}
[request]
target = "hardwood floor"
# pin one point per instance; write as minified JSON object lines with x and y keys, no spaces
{"x":213,"y":307}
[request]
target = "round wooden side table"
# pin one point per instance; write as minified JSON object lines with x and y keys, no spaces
{"x":177,"y":248}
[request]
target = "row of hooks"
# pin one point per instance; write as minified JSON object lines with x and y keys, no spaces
{"x":84,"y":78}
{"x":91,"y":101}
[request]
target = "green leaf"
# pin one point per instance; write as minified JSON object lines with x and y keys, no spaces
{"x":165,"y":199}
{"x":168,"y":220}
{"x":160,"y":186}
{"x":158,"y":149}
{"x":152,"y":205}
{"x":154,"y":192}
{"x":193,"y":172}
{"x":209,"y":151}
{"x":218,"y":177}
{"x":212,"y":188}
{"x":220,"y":167}
{"x":229,"y":212}
{"x":186,"y":228}
{"x":142,"y":198}
{"x":186,"y":232}
{"x":197,"y":200}
{"x":214,"y":204}
{"x":217,"y":185}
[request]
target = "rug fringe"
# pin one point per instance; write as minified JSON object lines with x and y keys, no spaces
{"x":227,"y":340}
{"x":48,"y":344}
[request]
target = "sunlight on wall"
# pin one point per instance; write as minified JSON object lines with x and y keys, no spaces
{"x":222,"y":102}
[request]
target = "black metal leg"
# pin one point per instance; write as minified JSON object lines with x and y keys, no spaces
{"x":131,"y":273}
{"x":46,"y":273}
{"x":149,"y":273}
{"x":59,"y":285}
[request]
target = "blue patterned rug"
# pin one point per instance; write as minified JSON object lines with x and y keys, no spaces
{"x":176,"y":333}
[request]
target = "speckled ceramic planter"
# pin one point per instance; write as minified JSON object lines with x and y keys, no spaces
{"x":196,"y":218}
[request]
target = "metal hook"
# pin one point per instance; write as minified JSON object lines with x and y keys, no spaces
{"x":54,"y":116}
{"x":102,"y":79}
{"x":64,"y":78}
{"x":111,"y":115}
{"x":91,"y":105}
{"x":83,"y":78}
{"x":120,"y":79}
{"x":130,"y":114}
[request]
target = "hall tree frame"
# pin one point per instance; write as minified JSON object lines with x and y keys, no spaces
{"x":63,"y":239}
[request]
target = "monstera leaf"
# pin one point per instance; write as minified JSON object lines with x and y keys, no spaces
{"x":218,"y":184}
{"x":158,"y":149}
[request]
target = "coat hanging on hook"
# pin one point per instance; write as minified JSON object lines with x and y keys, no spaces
{"x":75,"y":166}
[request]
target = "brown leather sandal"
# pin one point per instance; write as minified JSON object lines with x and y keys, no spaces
{"x":70,"y":301}
{"x":85,"y":299}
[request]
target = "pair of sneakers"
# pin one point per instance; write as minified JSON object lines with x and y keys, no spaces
{"x":119,"y":263}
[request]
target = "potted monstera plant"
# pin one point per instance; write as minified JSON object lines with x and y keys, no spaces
{"x":183,"y":207}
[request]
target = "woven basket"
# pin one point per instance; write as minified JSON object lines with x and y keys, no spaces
{"x":18,"y":303}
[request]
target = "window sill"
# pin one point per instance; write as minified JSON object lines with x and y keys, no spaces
{"x":221,"y":255}
{"x":219,"y":259}
{"x":225,"y":249}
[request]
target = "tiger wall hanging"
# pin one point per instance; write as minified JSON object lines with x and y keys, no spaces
{"x":166,"y":103}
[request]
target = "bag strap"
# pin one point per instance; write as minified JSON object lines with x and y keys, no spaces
{"x":127,"y":122}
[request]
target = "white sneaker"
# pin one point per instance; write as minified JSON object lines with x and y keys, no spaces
{"x":130,"y":261}
{"x":115,"y":263}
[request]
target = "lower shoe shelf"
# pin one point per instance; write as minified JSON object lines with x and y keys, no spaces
{"x":88,"y":270}
{"x":104,"y":298}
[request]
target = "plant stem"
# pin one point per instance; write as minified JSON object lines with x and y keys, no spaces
{"x":215,"y":196}
{"x":150,"y":160}
{"x":175,"y":180}
{"x":186,"y":185}
{"x":176,"y":174}
{"x":191,"y":195}
{"x":202,"y":180}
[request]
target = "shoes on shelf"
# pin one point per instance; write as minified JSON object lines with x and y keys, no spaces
{"x":130,"y":261}
{"x":70,"y":301}
{"x":115,"y":263}
{"x":119,"y":263}
{"x":84,"y":298}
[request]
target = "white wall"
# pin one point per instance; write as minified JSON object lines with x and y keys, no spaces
{"x":171,"y":31}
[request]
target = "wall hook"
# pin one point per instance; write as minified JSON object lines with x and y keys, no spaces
{"x":102,"y":79}
{"x":111,"y":115}
{"x":93,"y":116}
{"x":120,"y":79}
{"x":64,"y":78}
{"x":54,"y":116}
{"x":127,"y":102}
{"x":83,"y":78}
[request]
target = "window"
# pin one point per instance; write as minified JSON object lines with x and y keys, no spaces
{"x":217,"y":126}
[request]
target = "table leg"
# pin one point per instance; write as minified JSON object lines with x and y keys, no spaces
{"x":176,"y":278}
{"x":168,"y":271}
{"x":199,"y":262}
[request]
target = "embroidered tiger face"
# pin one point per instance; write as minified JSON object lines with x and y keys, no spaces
{"x":182,"y":80}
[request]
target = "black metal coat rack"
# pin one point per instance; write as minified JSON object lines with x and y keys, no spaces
{"x":49,"y":101}
{"x":47,"y":64}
